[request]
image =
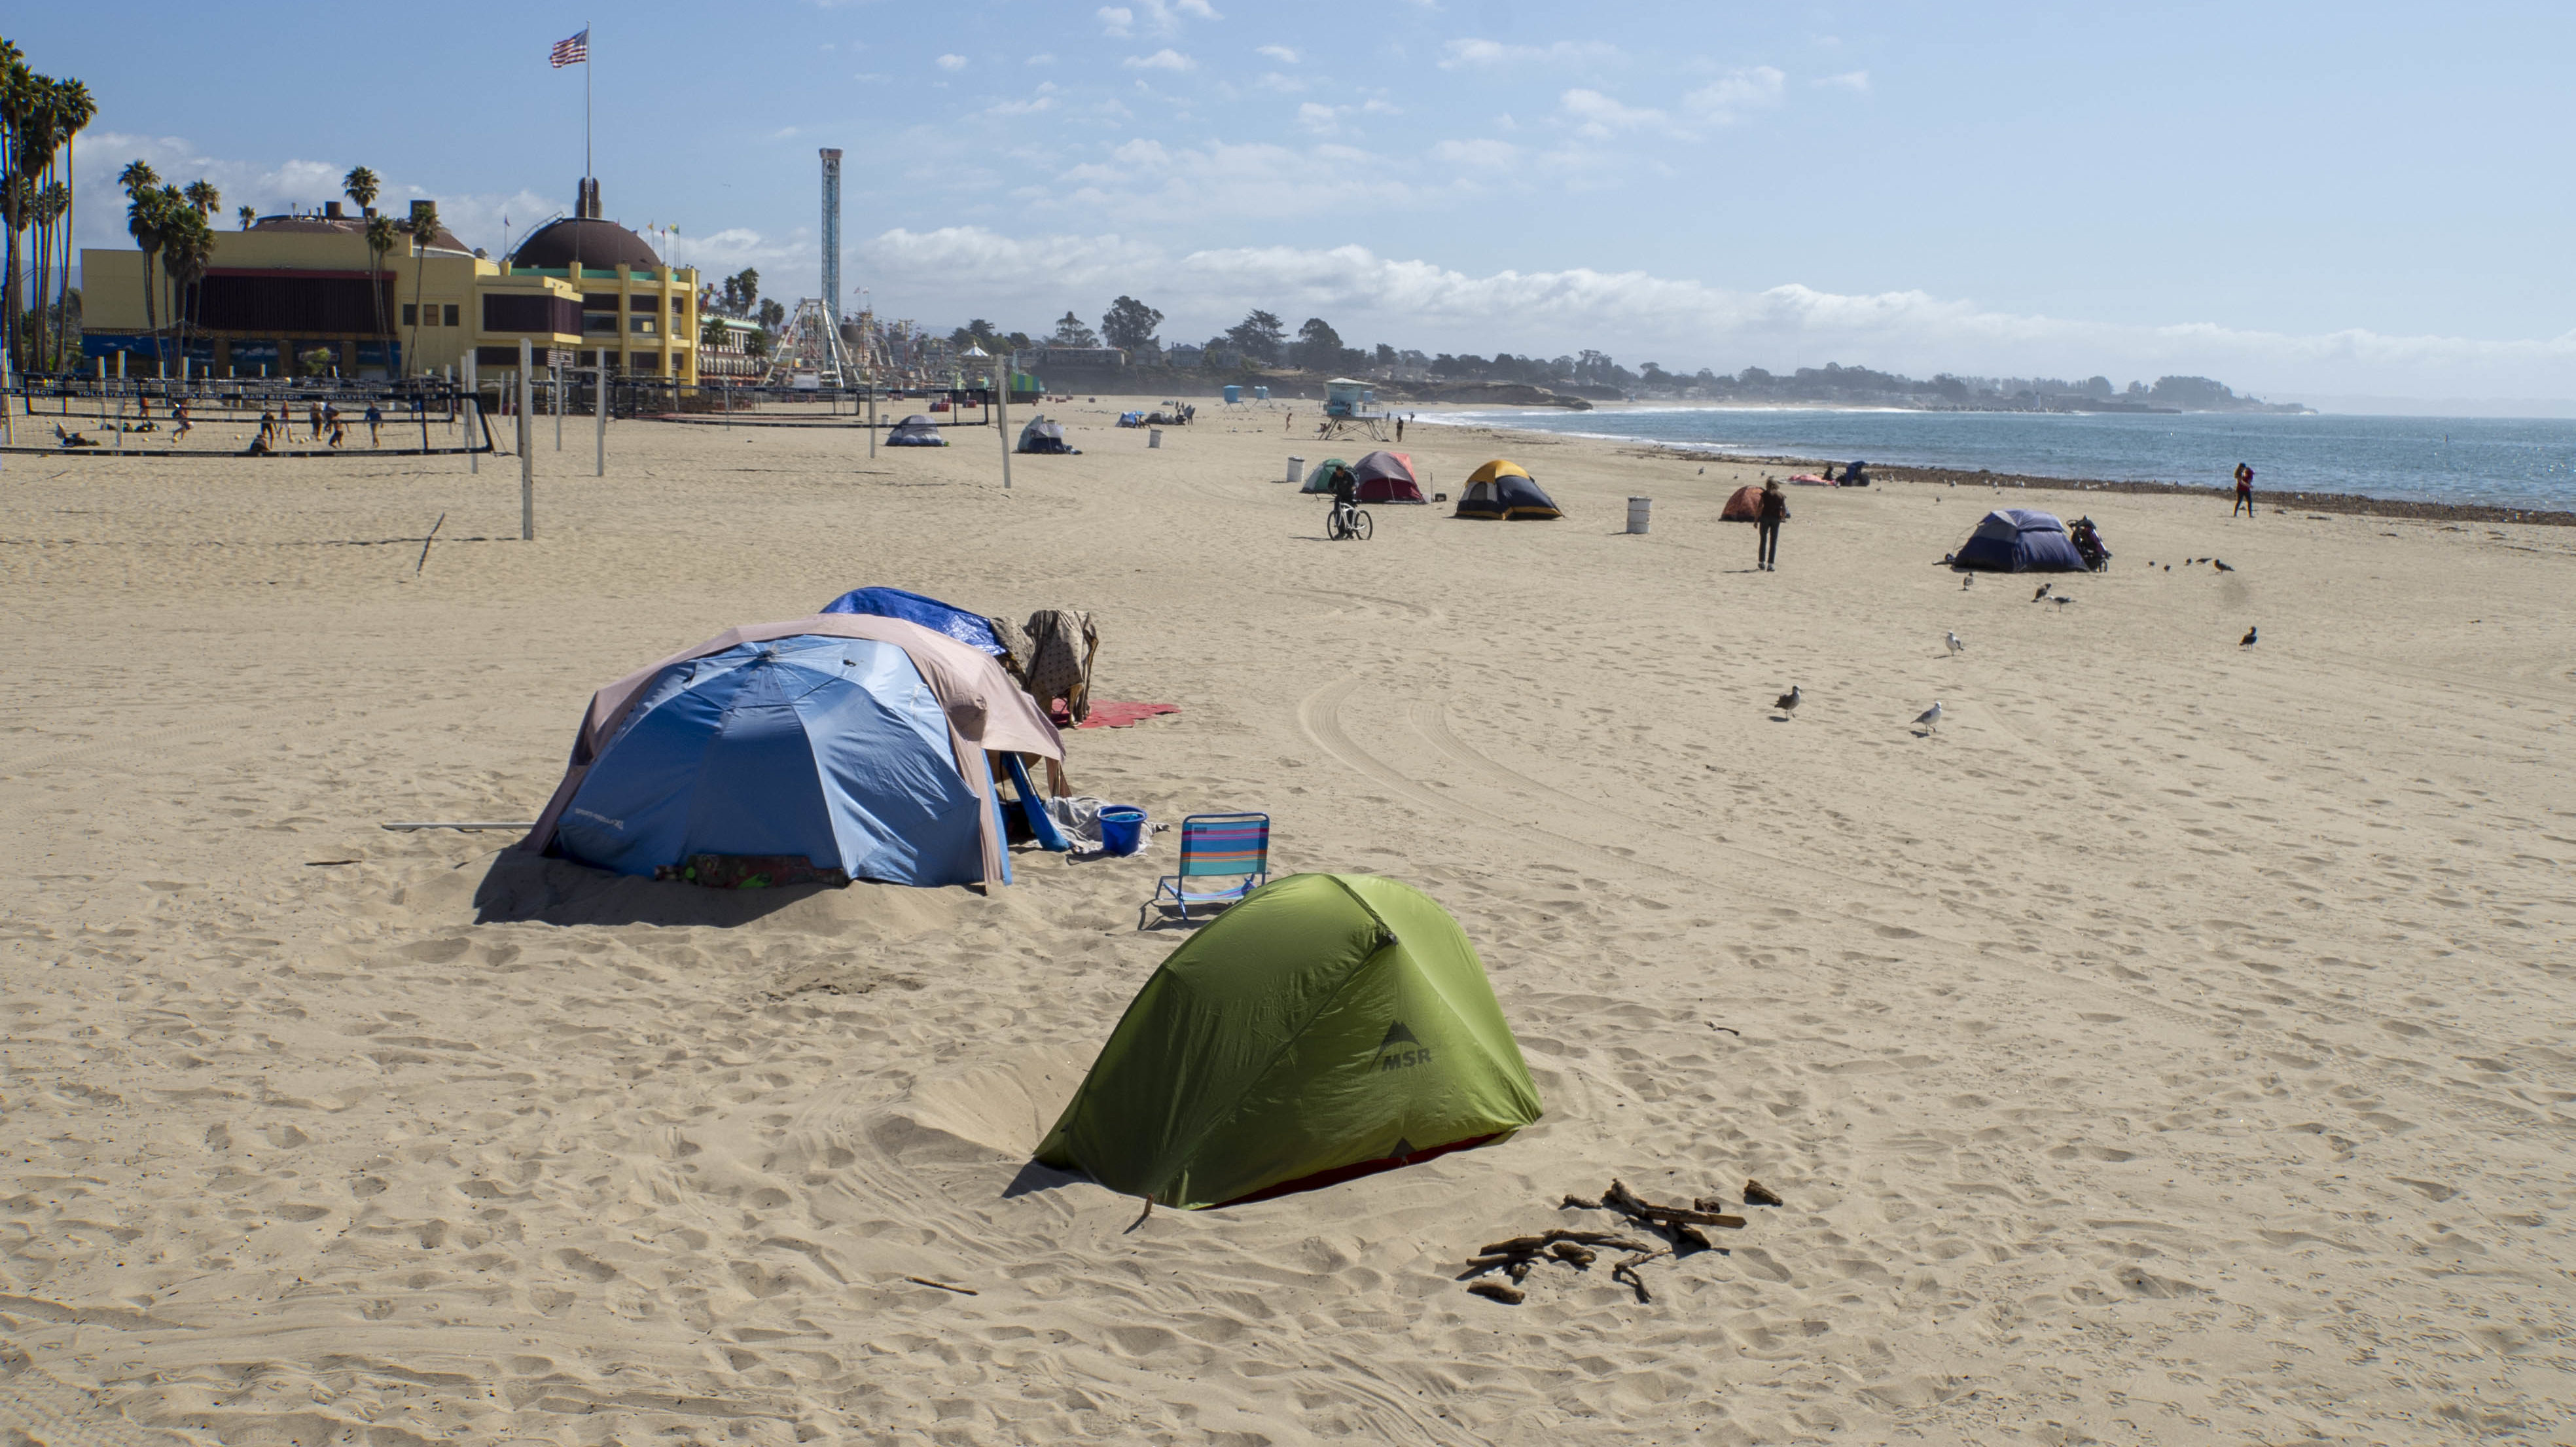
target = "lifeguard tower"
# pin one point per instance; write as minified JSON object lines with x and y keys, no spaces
{"x":1350,"y":410}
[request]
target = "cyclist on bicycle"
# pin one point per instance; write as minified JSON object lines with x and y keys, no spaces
{"x":1346,"y":488}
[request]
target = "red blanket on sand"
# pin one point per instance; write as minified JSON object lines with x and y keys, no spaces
{"x":1120,"y":715}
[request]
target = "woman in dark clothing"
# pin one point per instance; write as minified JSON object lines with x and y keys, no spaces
{"x":1775,"y":511}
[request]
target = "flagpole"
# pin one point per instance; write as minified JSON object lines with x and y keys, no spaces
{"x":585,"y":99}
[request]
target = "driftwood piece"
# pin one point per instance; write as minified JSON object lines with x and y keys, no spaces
{"x":1577,"y":1203}
{"x":1626,"y":1271}
{"x":943,"y":1286}
{"x":1524,"y":1245}
{"x":1758,"y":1194}
{"x":1619,"y":1198}
{"x":1519,"y":1270}
{"x":1578,"y":1257}
{"x":1496,"y":1291}
{"x":1688,"y":1240}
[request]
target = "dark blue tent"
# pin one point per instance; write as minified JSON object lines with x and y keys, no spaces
{"x":2020,"y":540}
{"x":930,"y":613}
{"x":833,"y":750}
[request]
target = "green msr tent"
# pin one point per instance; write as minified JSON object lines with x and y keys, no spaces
{"x":1319,"y":478}
{"x":1327,"y":1026}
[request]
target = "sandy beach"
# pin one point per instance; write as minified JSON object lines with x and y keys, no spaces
{"x":2173,"y":1045}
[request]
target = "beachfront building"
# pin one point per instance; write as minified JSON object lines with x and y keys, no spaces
{"x":290,"y":295}
{"x":727,"y":352}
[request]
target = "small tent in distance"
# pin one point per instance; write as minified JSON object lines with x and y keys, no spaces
{"x":916,"y":430}
{"x":1043,"y":436}
{"x":1320,"y":477}
{"x":1387,"y":477}
{"x":1502,"y":490}
{"x":1328,"y":1026}
{"x":1744,"y":506}
{"x":2019,"y":540}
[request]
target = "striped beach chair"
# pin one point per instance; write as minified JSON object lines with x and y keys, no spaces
{"x":1223,"y":858}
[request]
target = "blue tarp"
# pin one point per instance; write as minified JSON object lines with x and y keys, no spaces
{"x":930,"y":613}
{"x":833,"y":749}
{"x":2020,"y":540}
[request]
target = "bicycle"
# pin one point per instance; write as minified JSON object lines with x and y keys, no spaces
{"x":1347,"y":522}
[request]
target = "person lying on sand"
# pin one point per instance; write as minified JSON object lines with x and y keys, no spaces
{"x":71,"y":439}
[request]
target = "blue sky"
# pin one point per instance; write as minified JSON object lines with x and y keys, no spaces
{"x":2303,"y":200}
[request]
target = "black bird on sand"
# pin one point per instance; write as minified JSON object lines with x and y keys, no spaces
{"x":2043,"y":592}
{"x":2248,"y":640}
{"x":1787,"y":702}
{"x":2220,"y":565}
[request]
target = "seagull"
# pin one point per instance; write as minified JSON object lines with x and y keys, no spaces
{"x":1953,"y":640}
{"x":1967,"y":582}
{"x":2061,"y":600}
{"x":2220,"y":565}
{"x":2043,"y":592}
{"x":1930,"y":716}
{"x":2249,"y":640}
{"x":1787,"y":702}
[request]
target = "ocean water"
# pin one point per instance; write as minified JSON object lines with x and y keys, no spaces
{"x":2501,"y":462}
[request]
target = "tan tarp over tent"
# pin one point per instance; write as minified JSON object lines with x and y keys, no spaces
{"x":1744,"y":507}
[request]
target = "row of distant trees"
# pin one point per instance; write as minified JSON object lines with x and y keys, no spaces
{"x":39,"y":119}
{"x":739,"y":298}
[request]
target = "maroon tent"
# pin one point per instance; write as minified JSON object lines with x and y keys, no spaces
{"x":1744,"y":507}
{"x":1387,"y":477}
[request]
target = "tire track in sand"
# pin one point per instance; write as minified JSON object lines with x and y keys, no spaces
{"x":1318,"y":714}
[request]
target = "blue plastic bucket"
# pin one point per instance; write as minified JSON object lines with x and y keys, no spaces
{"x":1122,"y":829}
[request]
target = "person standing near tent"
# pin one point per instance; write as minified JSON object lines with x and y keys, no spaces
{"x":2244,"y":491}
{"x":1775,"y":511}
{"x":1346,"y":493}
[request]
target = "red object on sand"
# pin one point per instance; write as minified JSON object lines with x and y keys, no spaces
{"x":1120,"y":715}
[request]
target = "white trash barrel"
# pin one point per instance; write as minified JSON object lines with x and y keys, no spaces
{"x":1638,"y":508}
{"x":1296,"y":470}
{"x":1153,"y":437}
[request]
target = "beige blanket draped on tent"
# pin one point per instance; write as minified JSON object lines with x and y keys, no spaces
{"x":986,"y":710}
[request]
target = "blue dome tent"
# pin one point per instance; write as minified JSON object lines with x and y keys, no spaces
{"x":930,"y":613}
{"x":2019,"y":540}
{"x":854,"y":743}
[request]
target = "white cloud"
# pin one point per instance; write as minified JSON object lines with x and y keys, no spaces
{"x":1043,"y":99}
{"x":1687,"y":324}
{"x":1161,"y":17}
{"x":1284,"y":84}
{"x":1279,"y":53}
{"x":1598,"y":117}
{"x":1482,"y":154}
{"x":1039,"y":59}
{"x":1115,"y":19}
{"x":1754,"y":88}
{"x":1163,"y":59}
{"x":1488,"y":54}
{"x":1320,"y":119}
{"x":952,"y":63}
{"x":1855,"y":80}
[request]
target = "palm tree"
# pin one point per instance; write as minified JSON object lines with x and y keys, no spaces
{"x":26,"y":147}
{"x":360,"y":186}
{"x":201,"y":194}
{"x":52,"y":204}
{"x":73,"y":111}
{"x":187,"y":245}
{"x":143,"y":223}
{"x":248,"y":215}
{"x":424,"y":230}
{"x":383,"y":235}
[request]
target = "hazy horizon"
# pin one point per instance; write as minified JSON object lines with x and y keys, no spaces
{"x":2344,"y":207}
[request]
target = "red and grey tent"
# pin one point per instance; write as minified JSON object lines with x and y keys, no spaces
{"x":1387,"y":477}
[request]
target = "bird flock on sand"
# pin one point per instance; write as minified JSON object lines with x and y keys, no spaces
{"x":1930,"y":719}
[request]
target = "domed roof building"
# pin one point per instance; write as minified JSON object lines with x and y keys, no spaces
{"x":586,"y":239}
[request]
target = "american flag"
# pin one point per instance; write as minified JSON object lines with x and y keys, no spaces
{"x":575,"y":51}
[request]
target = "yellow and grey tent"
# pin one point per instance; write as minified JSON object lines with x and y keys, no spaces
{"x":1502,"y":490}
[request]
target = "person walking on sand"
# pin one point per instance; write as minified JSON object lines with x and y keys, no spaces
{"x":1775,"y":511}
{"x":375,"y":425}
{"x":1399,"y":429}
{"x":180,"y":422}
{"x":2244,"y":491}
{"x":313,"y":413}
